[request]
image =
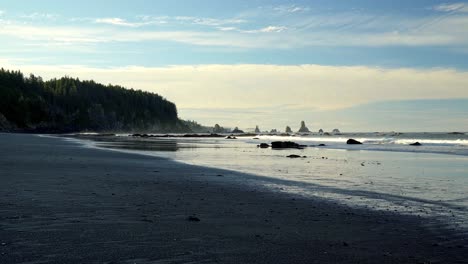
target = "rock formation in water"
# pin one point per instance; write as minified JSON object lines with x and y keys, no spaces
{"x":284,"y":144}
{"x":288,"y":129}
{"x":336,"y":131}
{"x":320,"y":131}
{"x":257,"y":130}
{"x":303,"y":128}
{"x":353,"y":142}
{"x":237,"y":131}
{"x":218,"y":129}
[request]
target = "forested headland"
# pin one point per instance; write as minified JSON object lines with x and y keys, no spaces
{"x":30,"y":104}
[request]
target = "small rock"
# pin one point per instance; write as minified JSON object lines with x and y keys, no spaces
{"x":416,"y":144}
{"x":293,"y":156}
{"x":193,"y":219}
{"x":321,"y":145}
{"x":345,"y":244}
{"x":263,"y":145}
{"x":353,"y":142}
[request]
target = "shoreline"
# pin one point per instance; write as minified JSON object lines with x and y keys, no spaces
{"x":64,"y":203}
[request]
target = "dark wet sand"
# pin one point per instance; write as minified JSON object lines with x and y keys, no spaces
{"x":62,"y":203}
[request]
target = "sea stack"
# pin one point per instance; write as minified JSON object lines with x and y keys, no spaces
{"x":257,"y":130}
{"x":288,"y":129}
{"x":237,"y":131}
{"x":303,"y":128}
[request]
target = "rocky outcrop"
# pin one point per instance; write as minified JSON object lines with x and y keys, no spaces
{"x":263,"y":145}
{"x":257,"y":130}
{"x":320,"y":131}
{"x":288,"y":129}
{"x":353,"y":142}
{"x":237,"y":131}
{"x":416,"y":144}
{"x":285,"y":144}
{"x":336,"y":131}
{"x":218,"y":129}
{"x":303,"y":128}
{"x":5,"y":125}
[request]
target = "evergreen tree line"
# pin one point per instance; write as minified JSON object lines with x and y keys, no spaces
{"x":69,"y":105}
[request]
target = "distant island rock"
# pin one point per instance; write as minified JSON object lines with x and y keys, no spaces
{"x":303,"y":128}
{"x":257,"y":130}
{"x":237,"y":131}
{"x":288,"y":129}
{"x":218,"y":129}
{"x":353,"y":142}
{"x":336,"y":131}
{"x":320,"y":131}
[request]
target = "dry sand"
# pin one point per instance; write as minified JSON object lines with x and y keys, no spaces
{"x":63,"y":203}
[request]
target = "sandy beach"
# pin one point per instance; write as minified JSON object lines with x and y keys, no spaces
{"x":64,"y":203}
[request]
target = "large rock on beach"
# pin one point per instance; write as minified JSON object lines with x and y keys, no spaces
{"x":353,"y":142}
{"x":285,"y":144}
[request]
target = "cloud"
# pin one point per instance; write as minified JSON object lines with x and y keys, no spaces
{"x":39,"y":16}
{"x":290,"y":9}
{"x":350,"y":29}
{"x":453,"y":7}
{"x":209,"y":21}
{"x":116,"y":21}
{"x":270,"y":95}
{"x":2,"y":12}
{"x":251,"y":85}
{"x":268,"y":29}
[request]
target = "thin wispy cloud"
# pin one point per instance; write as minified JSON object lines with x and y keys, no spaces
{"x":39,"y":16}
{"x":117,"y":22}
{"x":209,"y":21}
{"x":447,"y":32}
{"x":268,"y":29}
{"x":453,"y":7}
{"x":291,"y":9}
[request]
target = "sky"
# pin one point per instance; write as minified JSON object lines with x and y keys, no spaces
{"x":356,"y":65}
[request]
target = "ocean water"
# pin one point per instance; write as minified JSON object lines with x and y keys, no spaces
{"x":385,"y":173}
